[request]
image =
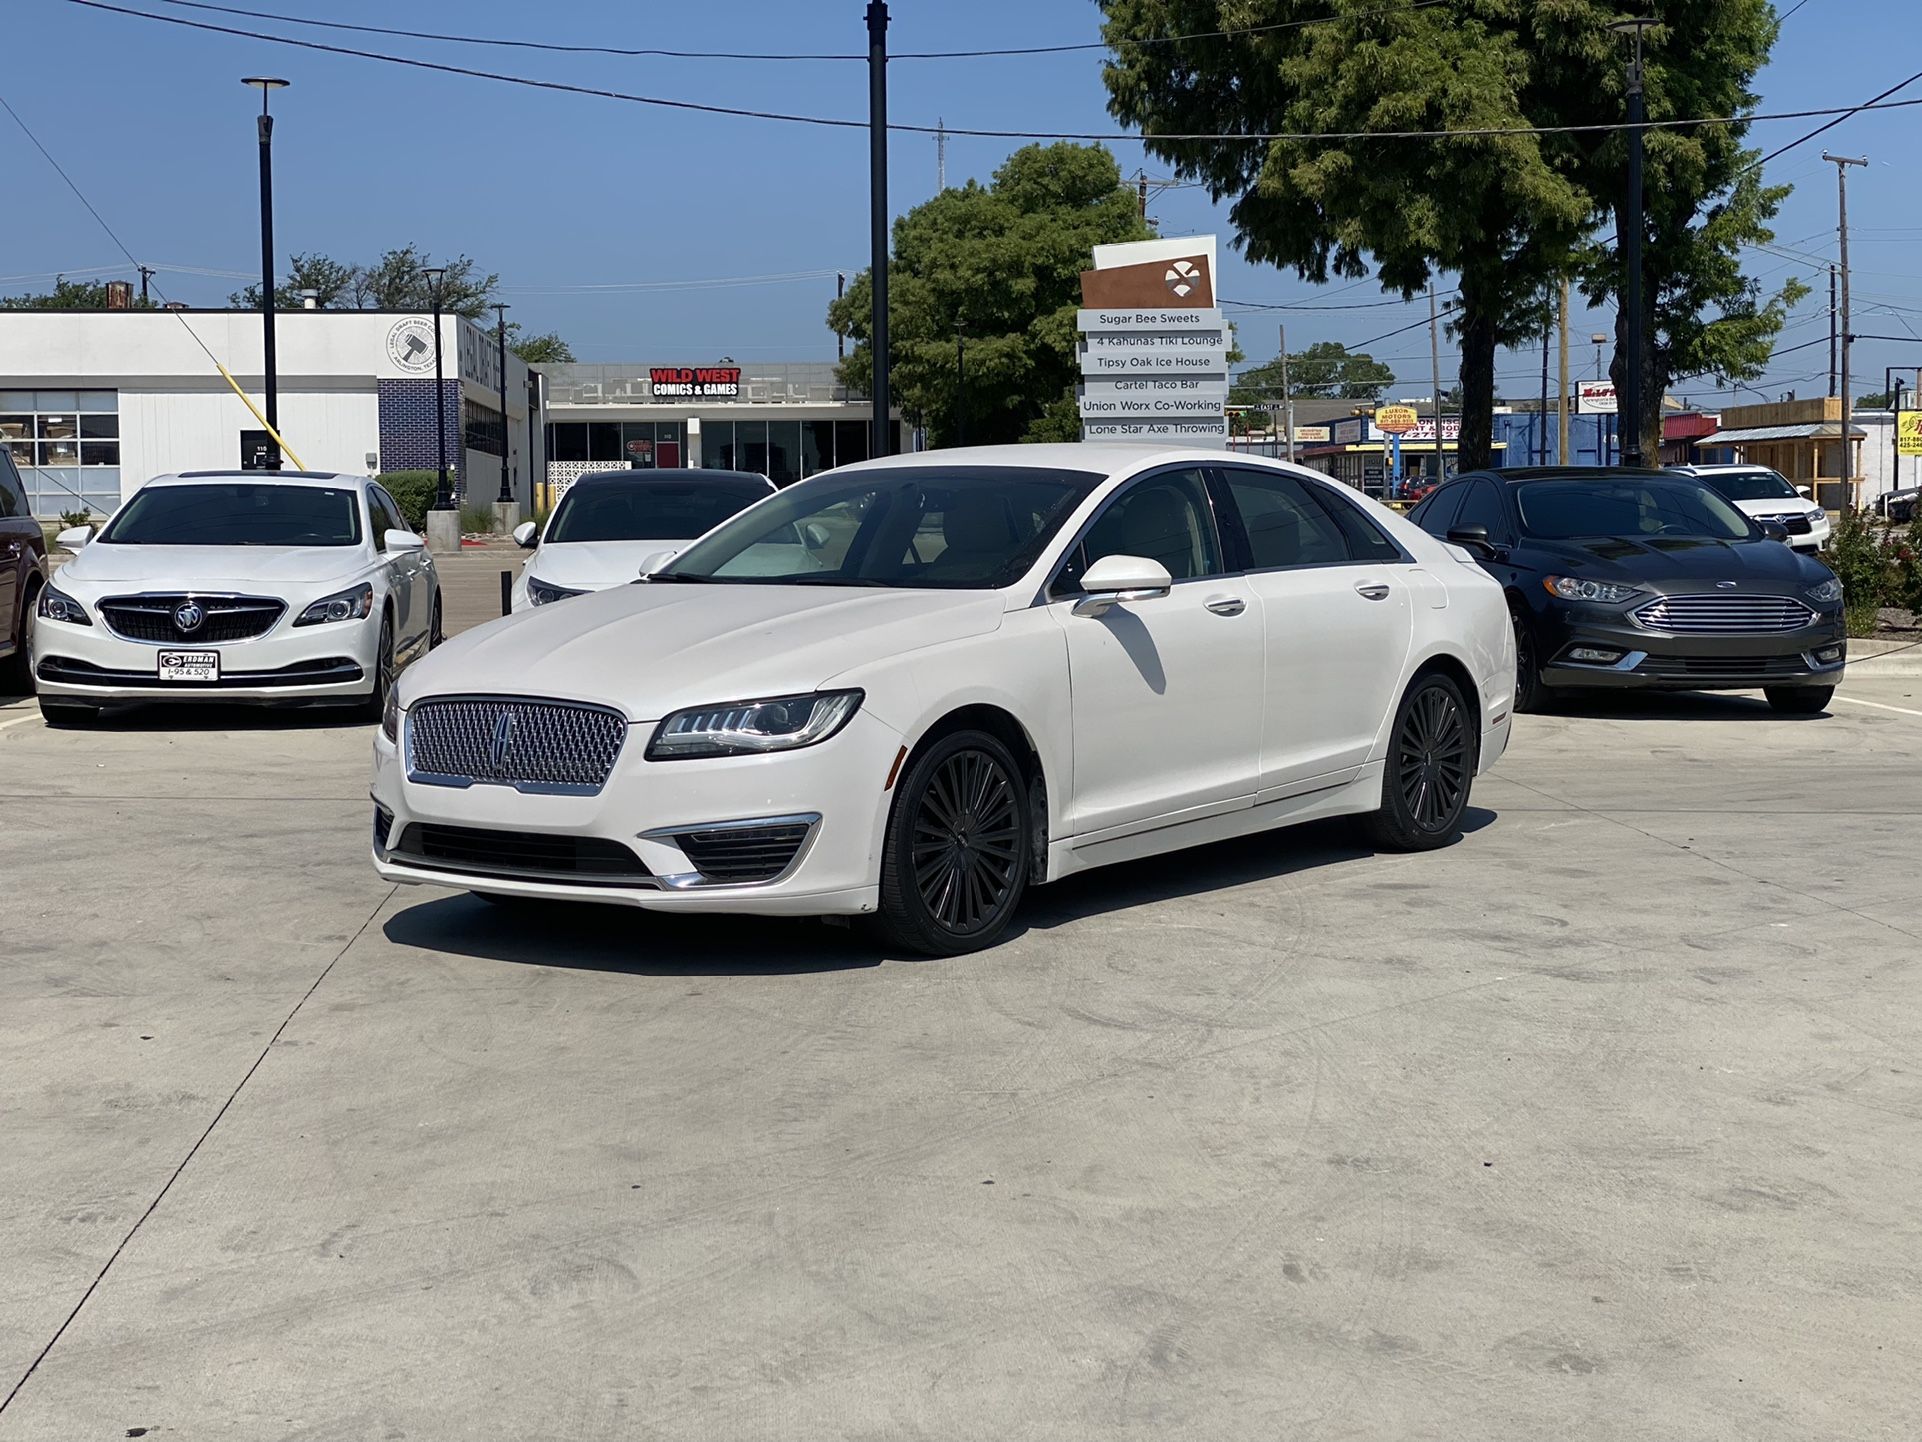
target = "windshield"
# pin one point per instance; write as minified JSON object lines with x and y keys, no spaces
{"x":1639,"y":508}
{"x":649,"y":510}
{"x":946,"y":527}
{"x":238,"y":513}
{"x":1761,"y":485}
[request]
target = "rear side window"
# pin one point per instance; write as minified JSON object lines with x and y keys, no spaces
{"x":1436,"y":514}
{"x":13,"y":496}
{"x":1482,"y":506}
{"x":1292,"y":522}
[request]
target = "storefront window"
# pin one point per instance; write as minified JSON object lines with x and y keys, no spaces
{"x":817,"y":446}
{"x":67,"y":446}
{"x":567,"y":441}
{"x":750,"y":446}
{"x":850,"y":442}
{"x":784,"y":452}
{"x":604,"y":441}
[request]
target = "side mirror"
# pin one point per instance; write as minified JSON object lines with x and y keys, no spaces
{"x":403,"y":541}
{"x":526,"y":534}
{"x":1775,"y":530}
{"x":1474,"y":539}
{"x":815,"y":536}
{"x":654,"y":560}
{"x":1114,"y":579}
{"x":1803,"y":491}
{"x":74,"y":537}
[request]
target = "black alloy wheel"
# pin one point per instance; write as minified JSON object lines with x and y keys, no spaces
{"x":1430,"y":767}
{"x":1530,"y":693}
{"x":958,"y":847}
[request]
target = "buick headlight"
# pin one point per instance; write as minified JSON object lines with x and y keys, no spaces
{"x":540,"y":592}
{"x":747,"y":728}
{"x":390,"y":715}
{"x":1827,"y":591}
{"x":351,"y":605}
{"x":58,"y":606}
{"x":1574,"y":588}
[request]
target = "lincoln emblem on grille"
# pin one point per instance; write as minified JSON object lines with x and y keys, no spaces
{"x":188,"y":615}
{"x":503,"y":741}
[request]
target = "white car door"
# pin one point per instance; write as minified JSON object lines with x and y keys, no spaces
{"x":400,"y":567}
{"x":1166,"y":692}
{"x":1337,"y":615}
{"x":419,"y":567}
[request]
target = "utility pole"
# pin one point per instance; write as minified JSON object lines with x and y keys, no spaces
{"x":1287,"y":398}
{"x":147,"y":273}
{"x":1561,"y":403}
{"x":1832,"y":314}
{"x":1630,"y":405}
{"x":1141,"y":193}
{"x":1434,"y":375}
{"x":881,"y":437}
{"x":1842,"y":164}
{"x":1541,"y":416}
{"x":940,"y":154}
{"x":840,"y":336}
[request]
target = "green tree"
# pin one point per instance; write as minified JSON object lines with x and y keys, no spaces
{"x":1493,"y":209}
{"x":393,"y":282}
{"x":331,"y":280}
{"x":1327,"y":370}
{"x":68,"y":295}
{"x":539,"y":350}
{"x":1003,"y":263}
{"x":1703,"y":192}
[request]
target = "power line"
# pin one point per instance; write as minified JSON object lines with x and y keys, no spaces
{"x":652,"y":53}
{"x":842,"y":123}
{"x":1872,"y":103}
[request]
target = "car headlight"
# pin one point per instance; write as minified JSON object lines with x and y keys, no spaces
{"x":1574,"y":588}
{"x":540,"y":592}
{"x":747,"y":728}
{"x":58,"y":606}
{"x":349,"y":605}
{"x":390,"y":715}
{"x":1816,"y":513}
{"x":1826,"y":591}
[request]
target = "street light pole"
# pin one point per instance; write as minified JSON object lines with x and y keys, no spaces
{"x":1630,"y":405}
{"x":266,"y":85}
{"x":500,"y":309}
{"x":443,"y":498}
{"x":881,"y":441}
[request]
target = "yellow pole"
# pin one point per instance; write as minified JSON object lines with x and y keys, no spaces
{"x":247,"y":401}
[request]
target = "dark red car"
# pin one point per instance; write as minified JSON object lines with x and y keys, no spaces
{"x":23,"y":571}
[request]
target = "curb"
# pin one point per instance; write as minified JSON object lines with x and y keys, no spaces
{"x":1888,"y":658}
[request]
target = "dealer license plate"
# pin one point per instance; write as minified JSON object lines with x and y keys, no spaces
{"x":189,"y":665}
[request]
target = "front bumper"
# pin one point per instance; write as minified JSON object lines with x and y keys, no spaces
{"x":287,"y":665}
{"x":642,"y":808}
{"x":1811,"y":656}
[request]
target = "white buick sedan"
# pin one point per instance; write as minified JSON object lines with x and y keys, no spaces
{"x":611,"y":522}
{"x":914,"y":687}
{"x":286,"y":587}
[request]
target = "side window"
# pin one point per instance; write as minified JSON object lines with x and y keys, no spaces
{"x":1285,"y":524}
{"x":1365,"y":539}
{"x":390,"y":511}
{"x":1436,"y":514}
{"x":13,"y":496}
{"x":1166,"y":518}
{"x":383,"y":515}
{"x":1482,"y":506}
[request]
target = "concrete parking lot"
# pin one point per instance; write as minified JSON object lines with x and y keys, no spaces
{"x":1606,"y":1121}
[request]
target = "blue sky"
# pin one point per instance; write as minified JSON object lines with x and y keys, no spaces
{"x":561,"y":194}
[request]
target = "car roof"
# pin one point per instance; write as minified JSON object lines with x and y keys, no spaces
{"x":283,"y":478}
{"x":656,"y":476}
{"x":1112,"y":458}
{"x":1723,"y":468}
{"x":1518,"y":474}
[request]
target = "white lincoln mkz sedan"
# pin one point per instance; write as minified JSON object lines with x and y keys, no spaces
{"x":287,"y":586}
{"x":915,"y":686}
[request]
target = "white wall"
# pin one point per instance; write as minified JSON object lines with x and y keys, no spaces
{"x":175,"y":428}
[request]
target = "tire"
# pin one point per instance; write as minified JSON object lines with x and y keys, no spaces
{"x":376,"y":701}
{"x":962,"y":812}
{"x":1530,"y":693}
{"x":1799,"y":700}
{"x":68,"y":713}
{"x":1429,"y":771}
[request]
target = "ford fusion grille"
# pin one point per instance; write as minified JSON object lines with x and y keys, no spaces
{"x":219,"y":619}
{"x":509,"y":741}
{"x":1725,"y":614}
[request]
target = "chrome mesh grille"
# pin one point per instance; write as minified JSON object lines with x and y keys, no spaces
{"x":1725,"y":614}
{"x":227,"y":618}
{"x":507,"y":741}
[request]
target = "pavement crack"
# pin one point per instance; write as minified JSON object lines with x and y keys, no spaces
{"x":199,"y":1142}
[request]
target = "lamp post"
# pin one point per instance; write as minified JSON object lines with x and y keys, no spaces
{"x":881,"y":436}
{"x":1629,"y":405}
{"x":267,"y":85}
{"x":443,"y":497}
{"x":1599,"y":339}
{"x":506,"y":496}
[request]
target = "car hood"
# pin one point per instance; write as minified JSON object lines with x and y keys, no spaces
{"x":1682,"y":562}
{"x":1776,"y":506}
{"x":652,"y":649}
{"x":213,"y":567}
{"x":594,"y":565}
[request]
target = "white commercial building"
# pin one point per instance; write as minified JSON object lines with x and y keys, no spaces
{"x":95,"y":403}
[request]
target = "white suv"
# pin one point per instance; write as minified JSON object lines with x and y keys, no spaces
{"x":289,"y":586}
{"x":1763,"y":495}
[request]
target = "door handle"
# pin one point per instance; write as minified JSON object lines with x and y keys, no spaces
{"x":1227,"y":605}
{"x":1373,"y":590}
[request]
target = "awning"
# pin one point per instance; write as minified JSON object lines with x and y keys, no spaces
{"x":1808,"y":431}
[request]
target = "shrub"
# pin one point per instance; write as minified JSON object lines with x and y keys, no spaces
{"x":414,"y":492}
{"x":76,"y":518}
{"x":1864,"y":556}
{"x":477,"y":519}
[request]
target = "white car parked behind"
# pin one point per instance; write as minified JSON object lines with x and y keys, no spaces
{"x":612,"y":522}
{"x":914,"y":686}
{"x":290,"y":586}
{"x":1764,"y":495}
